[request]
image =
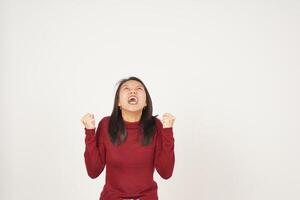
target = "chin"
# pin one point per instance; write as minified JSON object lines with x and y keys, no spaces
{"x":134,"y":109}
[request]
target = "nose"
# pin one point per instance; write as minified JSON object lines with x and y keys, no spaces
{"x":132,"y":92}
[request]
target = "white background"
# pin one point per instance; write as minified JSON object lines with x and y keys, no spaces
{"x":227,"y":70}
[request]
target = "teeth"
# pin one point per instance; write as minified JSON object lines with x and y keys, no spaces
{"x":132,"y":100}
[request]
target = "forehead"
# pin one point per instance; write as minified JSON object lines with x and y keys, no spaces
{"x":132,"y":83}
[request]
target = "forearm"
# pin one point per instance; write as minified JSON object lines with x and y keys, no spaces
{"x":165,"y":158}
{"x":93,"y":157}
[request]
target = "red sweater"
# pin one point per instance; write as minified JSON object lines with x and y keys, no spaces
{"x":129,"y":166}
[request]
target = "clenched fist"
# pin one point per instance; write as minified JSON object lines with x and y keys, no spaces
{"x":88,"y":121}
{"x":168,"y":120}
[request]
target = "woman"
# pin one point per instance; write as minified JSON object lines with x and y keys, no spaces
{"x":131,"y":143}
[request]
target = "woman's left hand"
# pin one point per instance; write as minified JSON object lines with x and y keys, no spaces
{"x":168,"y":120}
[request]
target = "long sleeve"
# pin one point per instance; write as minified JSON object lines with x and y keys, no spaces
{"x":94,"y":153}
{"x":164,"y":153}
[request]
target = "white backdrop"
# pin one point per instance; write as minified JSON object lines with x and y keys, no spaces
{"x":227,"y":70}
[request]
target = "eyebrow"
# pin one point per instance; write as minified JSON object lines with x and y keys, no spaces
{"x":136,"y":86}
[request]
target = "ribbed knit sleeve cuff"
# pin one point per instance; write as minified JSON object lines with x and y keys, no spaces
{"x":168,"y":129}
{"x":89,"y":131}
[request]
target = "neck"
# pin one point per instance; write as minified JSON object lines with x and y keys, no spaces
{"x":131,"y":116}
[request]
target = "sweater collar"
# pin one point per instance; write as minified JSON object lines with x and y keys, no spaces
{"x":131,"y":124}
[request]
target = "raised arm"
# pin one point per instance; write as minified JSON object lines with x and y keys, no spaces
{"x":94,"y":154}
{"x":164,"y":151}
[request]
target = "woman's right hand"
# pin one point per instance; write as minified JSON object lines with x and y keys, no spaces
{"x":88,"y":121}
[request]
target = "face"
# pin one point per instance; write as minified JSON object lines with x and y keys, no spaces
{"x":132,"y":96}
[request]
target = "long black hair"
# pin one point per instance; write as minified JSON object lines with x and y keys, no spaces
{"x":116,"y":128}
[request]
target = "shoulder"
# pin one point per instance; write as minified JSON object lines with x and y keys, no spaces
{"x":104,"y":119}
{"x":158,"y":123}
{"x":103,"y":125}
{"x":103,"y":122}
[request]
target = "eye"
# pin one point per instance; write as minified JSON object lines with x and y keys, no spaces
{"x":140,"y":88}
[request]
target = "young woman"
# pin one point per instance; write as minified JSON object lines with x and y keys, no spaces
{"x":131,"y":143}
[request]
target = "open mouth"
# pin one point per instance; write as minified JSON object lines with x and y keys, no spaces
{"x":132,"y":100}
